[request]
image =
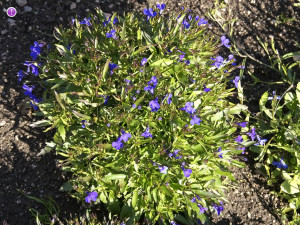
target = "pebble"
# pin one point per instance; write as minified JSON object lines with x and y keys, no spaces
{"x":11,"y":21}
{"x":73,"y":5}
{"x":2,"y":123}
{"x":77,"y":1}
{"x":17,"y":138}
{"x":21,"y":2}
{"x":27,"y":9}
{"x":111,"y":6}
{"x":4,"y":32}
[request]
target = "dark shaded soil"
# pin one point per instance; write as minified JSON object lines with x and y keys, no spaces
{"x":20,"y":167}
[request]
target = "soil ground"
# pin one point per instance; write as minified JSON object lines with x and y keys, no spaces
{"x":22,"y":171}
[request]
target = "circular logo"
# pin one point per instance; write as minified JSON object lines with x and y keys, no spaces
{"x":11,"y":12}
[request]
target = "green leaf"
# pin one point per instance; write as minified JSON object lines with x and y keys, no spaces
{"x":166,"y":190}
{"x":62,"y":132}
{"x":289,"y":187}
{"x":181,"y":219}
{"x":59,"y":100}
{"x":115,"y":177}
{"x":67,"y":186}
{"x":141,"y":49}
{"x":162,"y":63}
{"x":82,"y":116}
{"x":263,"y":100}
{"x":298,"y":93}
{"x":134,"y":198}
{"x":126,"y":211}
{"x":205,"y":193}
{"x":105,"y":69}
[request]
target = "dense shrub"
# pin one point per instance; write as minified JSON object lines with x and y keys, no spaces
{"x":141,"y":114}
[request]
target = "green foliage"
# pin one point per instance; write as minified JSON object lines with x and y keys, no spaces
{"x":129,"y":180}
{"x":280,"y":121}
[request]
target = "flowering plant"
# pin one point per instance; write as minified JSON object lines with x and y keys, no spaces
{"x":280,"y":152}
{"x":142,"y":116}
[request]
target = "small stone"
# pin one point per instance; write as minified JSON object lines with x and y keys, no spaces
{"x":11,"y":21}
{"x":73,"y":5}
{"x":2,"y":123}
{"x":253,"y":1}
{"x":16,"y":138}
{"x":21,"y":2}
{"x":77,"y":1}
{"x":27,"y":9}
{"x":97,"y":1}
{"x":29,"y":28}
{"x":111,"y":6}
{"x":4,"y":32}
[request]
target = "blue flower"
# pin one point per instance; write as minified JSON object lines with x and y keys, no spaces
{"x":34,"y":106}
{"x":206,"y":89}
{"x":186,"y":172}
{"x":195,"y":120}
{"x":134,"y":106}
{"x":21,"y":75}
{"x":143,"y":62}
{"x":146,"y":134}
{"x":202,"y":22}
{"x":33,"y":67}
{"x":117,"y":144}
{"x":36,"y":50}
{"x":243,"y":124}
{"x":112,"y":67}
{"x":219,"y":208}
{"x":111,"y":34}
{"x":105,"y":99}
{"x":186,"y":25}
{"x":218,"y":61}
{"x":271,"y":98}
{"x":225,"y":41}
{"x":174,"y":154}
{"x":221,"y":153}
{"x":188,"y":108}
{"x":92,"y":196}
{"x":202,"y":208}
{"x":69,"y":48}
{"x":197,"y":18}
{"x":236,"y":81}
{"x":190,"y":17}
{"x":86,"y":21}
{"x":149,"y":13}
{"x":159,"y":118}
{"x":252,"y":134}
{"x":241,"y":148}
{"x":83,"y":123}
{"x":161,"y":7}
{"x":139,"y":107}
{"x":193,"y":200}
{"x":108,"y":124}
{"x":239,"y":139}
{"x":260,"y":141}
{"x":151,"y":85}
{"x":28,"y":90}
{"x":163,"y":169}
{"x":125,"y":136}
{"x":169,"y":100}
{"x":154,"y":105}
{"x":281,"y":164}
